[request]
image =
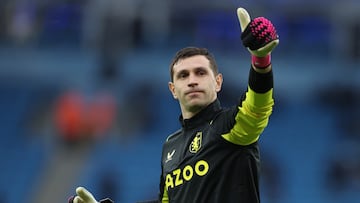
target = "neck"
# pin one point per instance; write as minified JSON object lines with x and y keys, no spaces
{"x":187,"y":114}
{"x":190,"y":112}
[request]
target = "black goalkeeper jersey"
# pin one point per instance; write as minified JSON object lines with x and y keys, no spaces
{"x":214,"y":157}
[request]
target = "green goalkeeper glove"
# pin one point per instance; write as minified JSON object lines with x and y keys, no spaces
{"x":84,"y":196}
{"x":259,"y":36}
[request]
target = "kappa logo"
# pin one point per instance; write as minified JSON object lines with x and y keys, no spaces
{"x":170,"y":156}
{"x":196,"y":143}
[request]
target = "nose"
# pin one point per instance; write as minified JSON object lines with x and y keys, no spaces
{"x":192,"y":80}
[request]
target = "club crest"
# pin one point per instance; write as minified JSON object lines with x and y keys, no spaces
{"x":196,"y":143}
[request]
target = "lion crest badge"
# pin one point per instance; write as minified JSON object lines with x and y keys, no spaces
{"x":196,"y":143}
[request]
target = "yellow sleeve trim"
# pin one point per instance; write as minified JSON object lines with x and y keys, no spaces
{"x":252,"y":118}
{"x":165,"y":197}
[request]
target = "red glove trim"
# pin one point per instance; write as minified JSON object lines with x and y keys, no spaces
{"x":261,"y":62}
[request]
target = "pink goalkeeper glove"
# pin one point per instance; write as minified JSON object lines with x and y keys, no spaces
{"x":259,"y":36}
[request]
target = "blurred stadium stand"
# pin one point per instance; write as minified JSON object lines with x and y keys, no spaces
{"x":310,"y":149}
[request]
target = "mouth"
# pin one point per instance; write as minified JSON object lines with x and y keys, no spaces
{"x":190,"y":92}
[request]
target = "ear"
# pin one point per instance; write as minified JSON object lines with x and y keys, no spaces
{"x":219,"y":81}
{"x":172,"y":89}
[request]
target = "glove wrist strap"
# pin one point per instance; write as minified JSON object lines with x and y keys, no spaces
{"x":261,"y":62}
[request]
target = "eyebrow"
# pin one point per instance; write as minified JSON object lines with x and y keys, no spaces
{"x":181,"y":72}
{"x":200,"y":68}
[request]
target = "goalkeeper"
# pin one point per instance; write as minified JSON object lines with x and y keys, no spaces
{"x":214,"y":157}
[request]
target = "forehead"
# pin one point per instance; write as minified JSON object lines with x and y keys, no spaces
{"x":191,"y":63}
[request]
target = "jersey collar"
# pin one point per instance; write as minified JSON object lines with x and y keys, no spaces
{"x":204,"y":115}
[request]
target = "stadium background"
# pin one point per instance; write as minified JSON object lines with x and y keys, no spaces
{"x":84,"y":99}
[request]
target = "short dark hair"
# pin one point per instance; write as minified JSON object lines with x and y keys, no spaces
{"x":193,"y":51}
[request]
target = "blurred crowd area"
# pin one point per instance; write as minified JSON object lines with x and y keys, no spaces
{"x":84,"y":98}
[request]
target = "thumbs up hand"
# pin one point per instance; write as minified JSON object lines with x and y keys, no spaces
{"x":258,"y":35}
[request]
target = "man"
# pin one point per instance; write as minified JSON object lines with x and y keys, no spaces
{"x":214,"y":157}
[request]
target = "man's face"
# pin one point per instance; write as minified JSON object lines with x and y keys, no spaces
{"x":194,"y":84}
